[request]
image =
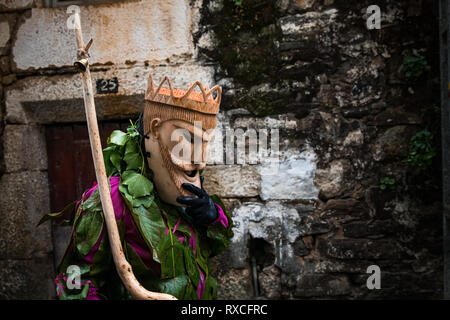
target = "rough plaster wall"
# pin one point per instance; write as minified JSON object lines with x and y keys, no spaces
{"x":344,"y":113}
{"x":132,"y":82}
{"x":135,"y":31}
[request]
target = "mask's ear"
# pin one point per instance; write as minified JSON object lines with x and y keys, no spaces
{"x":155,"y":125}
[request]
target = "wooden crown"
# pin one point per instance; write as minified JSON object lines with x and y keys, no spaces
{"x":202,"y":101}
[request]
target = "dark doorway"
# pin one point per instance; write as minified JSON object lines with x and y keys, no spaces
{"x":71,"y":169}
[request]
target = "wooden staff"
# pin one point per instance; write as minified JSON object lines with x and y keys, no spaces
{"x":122,"y":266}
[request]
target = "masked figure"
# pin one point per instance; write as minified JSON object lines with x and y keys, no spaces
{"x":169,"y":226}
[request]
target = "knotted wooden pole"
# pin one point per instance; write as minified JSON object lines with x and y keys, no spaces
{"x":123,"y":267}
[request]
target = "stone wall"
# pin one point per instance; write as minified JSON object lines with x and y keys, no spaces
{"x":344,"y":101}
{"x":347,"y":109}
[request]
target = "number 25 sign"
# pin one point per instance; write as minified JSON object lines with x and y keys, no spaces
{"x":107,"y":85}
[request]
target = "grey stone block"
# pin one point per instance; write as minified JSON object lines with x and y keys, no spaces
{"x":270,"y":282}
{"x":361,"y":249}
{"x":27,"y":279}
{"x":236,"y":284}
{"x":24,"y":200}
{"x":232,"y":181}
{"x":321,"y":285}
{"x":24,"y":148}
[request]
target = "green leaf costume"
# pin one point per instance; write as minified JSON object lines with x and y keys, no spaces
{"x":166,"y":253}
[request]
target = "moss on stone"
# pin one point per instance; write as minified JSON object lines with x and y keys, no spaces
{"x":265,"y":103}
{"x":246,"y":35}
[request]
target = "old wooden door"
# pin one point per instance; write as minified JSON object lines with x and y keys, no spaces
{"x":71,"y":169}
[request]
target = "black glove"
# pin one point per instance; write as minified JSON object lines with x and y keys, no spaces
{"x":200,"y":211}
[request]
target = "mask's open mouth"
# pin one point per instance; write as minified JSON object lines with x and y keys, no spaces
{"x":191,"y":174}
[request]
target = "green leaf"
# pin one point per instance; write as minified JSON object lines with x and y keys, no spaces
{"x":144,"y":201}
{"x":138,"y":185}
{"x":421,"y":150}
{"x":127,"y":176}
{"x":172,"y":215}
{"x":191,"y":265}
{"x":191,"y":293}
{"x":139,"y":268}
{"x":69,"y":208}
{"x":93,"y":203}
{"x":116,"y":160}
{"x":219,"y":236}
{"x":170,"y":251}
{"x":210,"y":289}
{"x":102,"y":259}
{"x":124,"y":190}
{"x":118,"y":137}
{"x":132,"y":131}
{"x":175,"y":286}
{"x":150,"y":225}
{"x":109,"y":166}
{"x":131,"y":147}
{"x":88,"y":231}
{"x":414,"y":66}
{"x":133,"y":161}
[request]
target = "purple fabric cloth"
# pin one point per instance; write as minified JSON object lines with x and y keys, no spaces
{"x":222,"y":217}
{"x":134,"y":238}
